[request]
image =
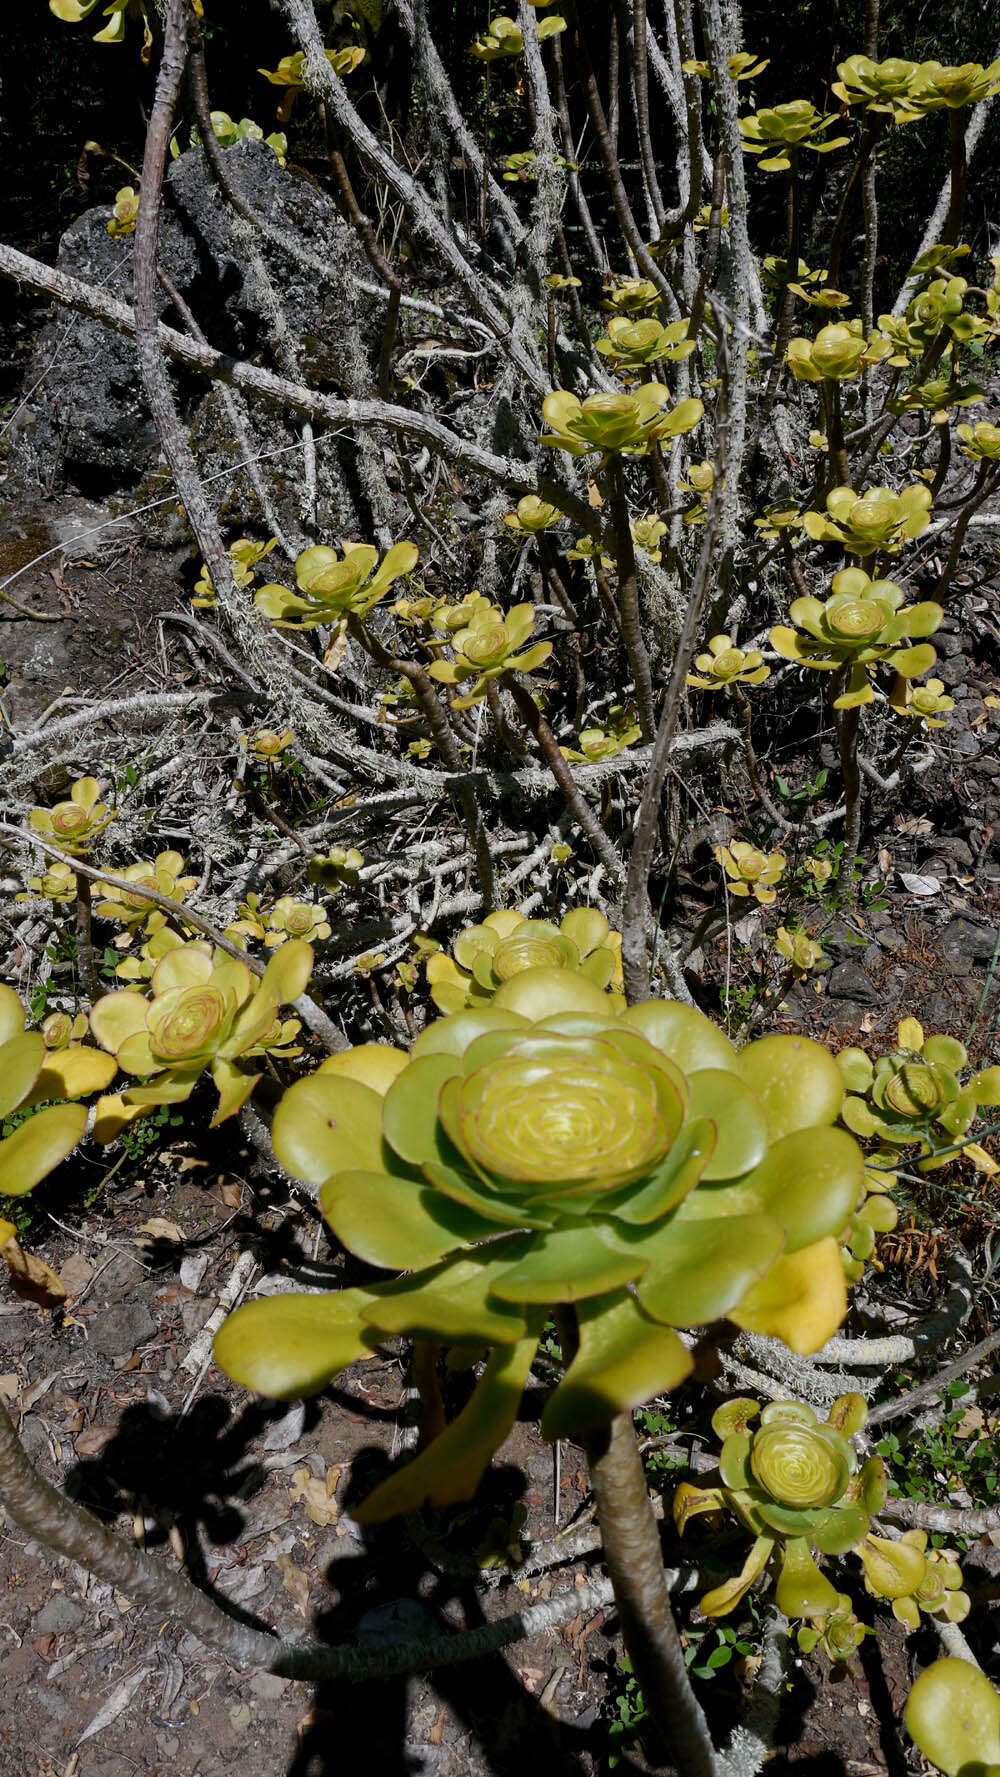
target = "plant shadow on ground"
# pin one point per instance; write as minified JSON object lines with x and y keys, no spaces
{"x":513,"y":1732}
{"x":198,"y":1472}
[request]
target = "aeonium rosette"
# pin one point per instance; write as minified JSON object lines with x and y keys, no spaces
{"x":506,"y":944}
{"x":794,"y":1482}
{"x":207,"y":1012}
{"x":553,"y":1148}
{"x":862,"y":623}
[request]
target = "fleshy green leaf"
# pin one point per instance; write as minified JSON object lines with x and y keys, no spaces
{"x":38,"y":1145}
{"x":623,"y":1359}
{"x":452,"y":1301}
{"x":797,"y":1081}
{"x":451,"y":1468}
{"x":683,"y":1034}
{"x":739,"y":1118}
{"x":410,"y":1123}
{"x":802,"y":1299}
{"x":722,"y":1599}
{"x":397,"y":1223}
{"x":953,"y":1714}
{"x":802,"y":1591}
{"x":327,"y":1124}
{"x":567,"y":1265}
{"x":22,"y":1060}
{"x":700,"y":1270}
{"x":284,"y":1346}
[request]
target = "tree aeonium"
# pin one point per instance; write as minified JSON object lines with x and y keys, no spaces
{"x":553,"y":1151}
{"x":863,"y":622}
{"x":207,"y":1012}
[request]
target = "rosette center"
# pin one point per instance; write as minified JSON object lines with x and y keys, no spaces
{"x":529,"y":1121}
{"x":796,"y":1467}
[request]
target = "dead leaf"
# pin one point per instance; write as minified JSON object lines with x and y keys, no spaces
{"x":92,"y":1441}
{"x":973,"y":1420}
{"x":193,"y":1269}
{"x":158,"y":1228}
{"x":317,"y":1496}
{"x":116,"y":1704}
{"x":336,"y":648}
{"x":295,"y":1582}
{"x":594,"y":495}
{"x":37,"y":1389}
{"x":75,"y":1274}
{"x":231,"y":1192}
{"x":921,"y":886}
{"x":31,"y":1278}
{"x":10,"y":1387}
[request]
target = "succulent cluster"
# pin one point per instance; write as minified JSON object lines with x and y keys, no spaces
{"x":981,"y":441}
{"x":75,"y":823}
{"x":125,"y":212}
{"x":778,"y":131}
{"x":878,"y":519}
{"x":244,"y":554}
{"x":206,"y":1012}
{"x":621,"y":731}
{"x":504,"y":37}
{"x":750,"y":871}
{"x":863,"y":623}
{"x":631,"y":344}
{"x":163,"y":875}
{"x":333,"y":587}
{"x":532,"y":516}
{"x":274,"y":925}
{"x":485,"y":956}
{"x":838,"y":353}
{"x":803,"y":953}
{"x":613,"y":423}
{"x":489,"y":645}
{"x":725,"y":664}
{"x":918,"y":1095}
{"x":290,"y":69}
{"x":795,"y":1483}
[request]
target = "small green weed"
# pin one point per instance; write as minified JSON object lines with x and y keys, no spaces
{"x":959,"y":1452}
{"x":149,"y":1132}
{"x":629,"y":1716}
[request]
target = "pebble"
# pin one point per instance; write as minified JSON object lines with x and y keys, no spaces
{"x":122,"y":1329}
{"x":57,"y":1615}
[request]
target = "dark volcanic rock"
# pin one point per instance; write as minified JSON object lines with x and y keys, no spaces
{"x":86,"y":424}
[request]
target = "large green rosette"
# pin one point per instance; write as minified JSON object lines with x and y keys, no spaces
{"x":554,"y":1149}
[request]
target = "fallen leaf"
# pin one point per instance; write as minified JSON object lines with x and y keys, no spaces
{"x":295,"y":1582}
{"x":193,"y":1269}
{"x":972,"y":1421}
{"x":921,"y":886}
{"x":158,"y":1228}
{"x":317,"y":1496}
{"x":92,"y":1441}
{"x":116,"y":1704}
{"x":231,"y":1193}
{"x":31,"y":1278}
{"x":337,"y":648}
{"x":10,"y":1387}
